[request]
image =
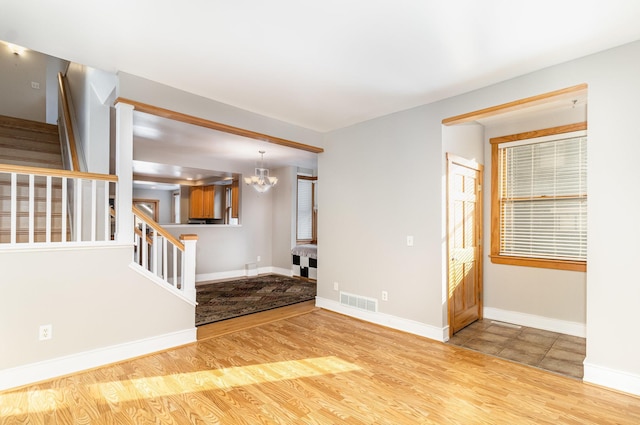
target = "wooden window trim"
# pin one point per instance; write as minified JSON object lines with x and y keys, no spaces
{"x":314,"y":219}
{"x":495,"y":256}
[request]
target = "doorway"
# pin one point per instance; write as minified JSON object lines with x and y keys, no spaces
{"x":464,"y":242}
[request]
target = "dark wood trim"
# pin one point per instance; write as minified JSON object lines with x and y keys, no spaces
{"x":190,"y":119}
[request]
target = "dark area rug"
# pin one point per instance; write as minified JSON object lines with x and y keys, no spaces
{"x":224,"y":300}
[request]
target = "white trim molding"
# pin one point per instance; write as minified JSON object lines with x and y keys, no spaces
{"x":538,"y":322}
{"x":611,"y":378}
{"x":35,"y":372}
{"x":383,"y":319}
{"x":232,"y":274}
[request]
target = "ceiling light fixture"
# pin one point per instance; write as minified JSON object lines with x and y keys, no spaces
{"x":261,"y":181}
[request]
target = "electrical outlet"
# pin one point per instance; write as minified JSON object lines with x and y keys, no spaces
{"x":258,"y":258}
{"x":46,"y":332}
{"x":385,"y":296}
{"x":335,"y":286}
{"x":35,"y":85}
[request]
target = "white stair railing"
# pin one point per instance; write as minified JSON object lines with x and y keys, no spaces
{"x":162,"y":255}
{"x":42,"y":206}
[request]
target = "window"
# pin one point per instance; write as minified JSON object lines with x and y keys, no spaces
{"x":539,"y":198}
{"x":307,"y":210}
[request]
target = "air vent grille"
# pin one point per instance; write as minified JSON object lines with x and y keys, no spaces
{"x":358,"y":301}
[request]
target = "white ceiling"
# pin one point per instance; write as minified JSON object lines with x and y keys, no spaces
{"x":326,"y":64}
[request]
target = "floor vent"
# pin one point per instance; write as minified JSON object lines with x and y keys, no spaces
{"x":357,"y":301}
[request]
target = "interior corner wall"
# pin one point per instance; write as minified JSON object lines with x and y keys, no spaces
{"x":90,"y":89}
{"x":54,"y":67}
{"x":364,"y":224}
{"x":552,"y":299}
{"x":19,"y":99}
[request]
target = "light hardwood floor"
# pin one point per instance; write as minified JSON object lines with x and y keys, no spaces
{"x":317,"y":368}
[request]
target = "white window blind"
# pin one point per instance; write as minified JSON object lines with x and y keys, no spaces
{"x":543,"y":199}
{"x":305,"y":210}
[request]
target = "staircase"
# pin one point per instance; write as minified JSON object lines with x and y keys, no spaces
{"x":32,"y":144}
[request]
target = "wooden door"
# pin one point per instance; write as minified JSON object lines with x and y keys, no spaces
{"x":196,"y":207}
{"x":208,"y":201}
{"x":464,"y":219}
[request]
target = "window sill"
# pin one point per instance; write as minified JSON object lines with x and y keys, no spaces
{"x":577,"y":266}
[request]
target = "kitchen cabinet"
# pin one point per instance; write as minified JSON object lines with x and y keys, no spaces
{"x":202,"y":201}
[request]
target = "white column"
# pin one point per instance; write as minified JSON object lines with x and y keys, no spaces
{"x":124,"y":171}
{"x":189,"y":265}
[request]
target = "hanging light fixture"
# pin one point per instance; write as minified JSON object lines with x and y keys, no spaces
{"x":261,"y":181}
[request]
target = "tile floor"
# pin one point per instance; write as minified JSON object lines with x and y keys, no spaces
{"x":551,"y":351}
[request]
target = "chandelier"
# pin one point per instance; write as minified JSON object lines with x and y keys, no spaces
{"x":261,"y":181}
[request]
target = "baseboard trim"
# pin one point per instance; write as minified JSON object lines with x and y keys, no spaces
{"x":383,"y":319}
{"x":611,"y":378}
{"x":533,"y":321}
{"x":40,"y":371}
{"x":233,"y":274}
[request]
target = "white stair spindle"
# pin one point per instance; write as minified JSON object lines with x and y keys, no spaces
{"x":164,"y":259}
{"x":63,"y":236}
{"x":145,"y":247}
{"x":14,"y":207}
{"x":154,"y":249}
{"x":175,"y":266}
{"x":78,"y":217}
{"x":94,"y":210}
{"x":107,"y":212}
{"x":48,"y":209}
{"x":31,"y":207}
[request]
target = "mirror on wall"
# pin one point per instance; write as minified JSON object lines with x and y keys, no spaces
{"x":181,"y":195}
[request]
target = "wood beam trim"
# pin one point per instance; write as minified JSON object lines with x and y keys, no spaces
{"x":539,"y":133}
{"x":190,"y":119}
{"x":515,"y":105}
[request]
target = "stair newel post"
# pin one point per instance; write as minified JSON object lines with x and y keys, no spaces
{"x":189,"y":265}
{"x":124,"y":171}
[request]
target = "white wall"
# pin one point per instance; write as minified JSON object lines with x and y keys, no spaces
{"x":382,"y":181}
{"x":18,"y":98}
{"x":92,"y":91}
{"x":164,"y":197}
{"x":285,"y":196}
{"x":364,"y":221}
{"x":54,"y":67}
{"x":88,"y":310}
{"x":146,"y":91}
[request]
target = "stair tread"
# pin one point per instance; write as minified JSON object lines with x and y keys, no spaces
{"x":56,"y":165}
{"x":29,"y":145}
{"x":21,"y":123}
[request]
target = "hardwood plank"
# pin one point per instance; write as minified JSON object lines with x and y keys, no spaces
{"x":317,"y":368}
{"x":252,"y":320}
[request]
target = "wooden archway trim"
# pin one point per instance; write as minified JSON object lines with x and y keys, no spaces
{"x":190,"y":119}
{"x":517,"y":105}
